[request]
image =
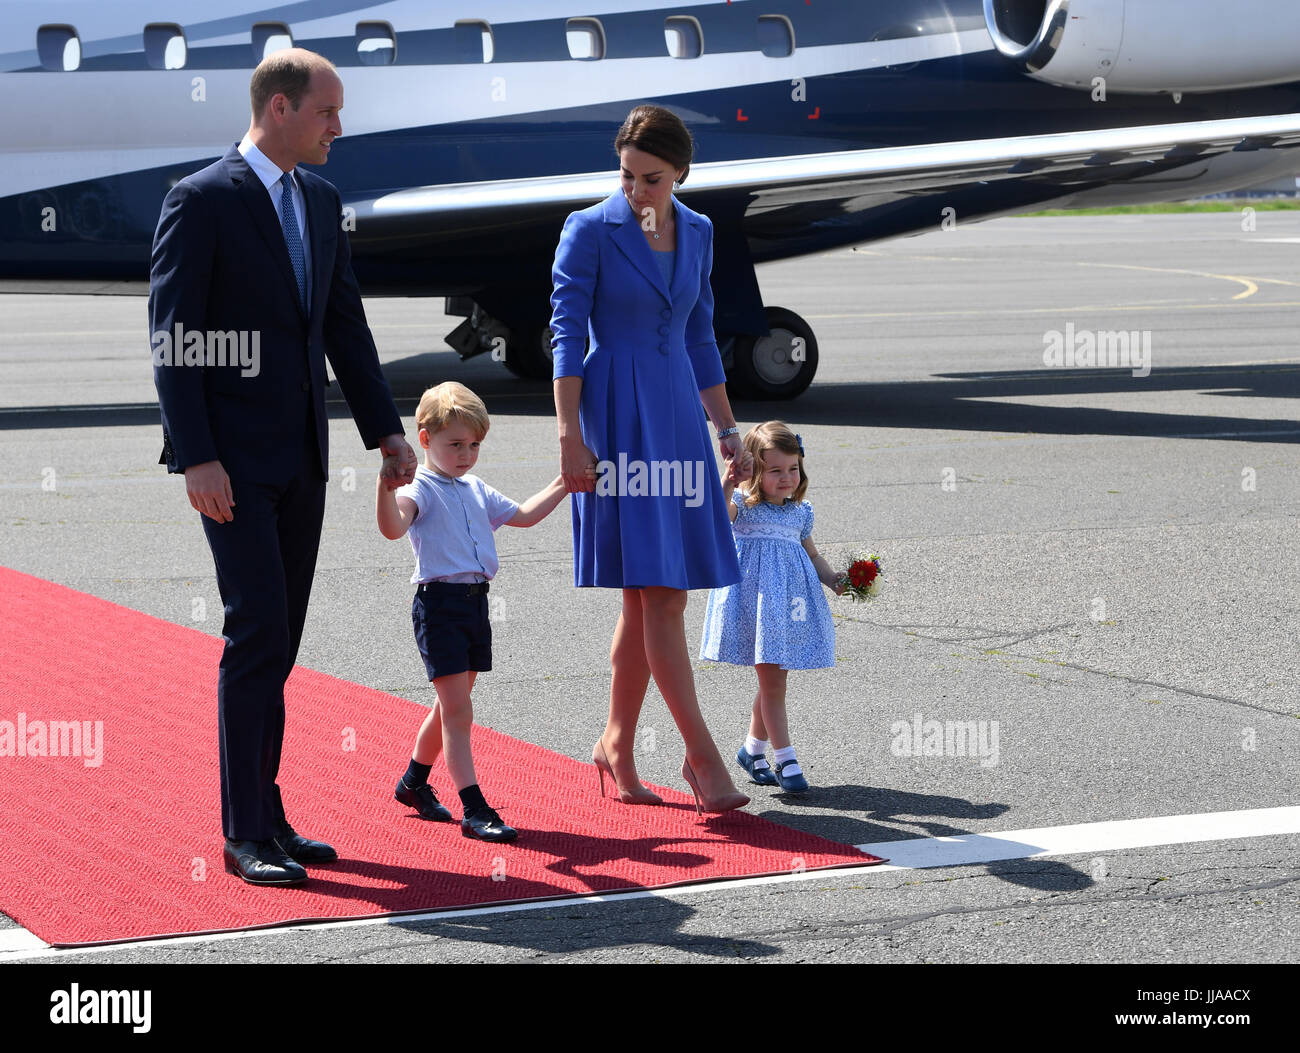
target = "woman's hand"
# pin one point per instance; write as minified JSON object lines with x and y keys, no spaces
{"x":732,"y":449}
{"x":735,"y":473}
{"x":577,"y":466}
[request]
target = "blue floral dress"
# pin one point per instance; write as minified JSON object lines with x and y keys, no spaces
{"x":778,"y":612}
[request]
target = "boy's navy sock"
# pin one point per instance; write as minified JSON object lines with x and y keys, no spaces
{"x":417,"y":774}
{"x":471,"y":799}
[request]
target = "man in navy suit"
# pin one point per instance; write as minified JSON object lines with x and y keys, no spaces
{"x":251,"y":290}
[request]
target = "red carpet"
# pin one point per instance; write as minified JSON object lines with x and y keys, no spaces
{"x":130,"y":847}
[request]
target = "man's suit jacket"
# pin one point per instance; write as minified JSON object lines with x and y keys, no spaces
{"x":220,"y":264}
{"x":602,"y":267}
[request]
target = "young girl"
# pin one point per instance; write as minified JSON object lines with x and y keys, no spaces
{"x":776,"y":618}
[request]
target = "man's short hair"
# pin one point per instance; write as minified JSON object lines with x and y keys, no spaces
{"x":286,"y":73}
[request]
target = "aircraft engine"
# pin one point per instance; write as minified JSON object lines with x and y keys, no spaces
{"x":1149,"y":46}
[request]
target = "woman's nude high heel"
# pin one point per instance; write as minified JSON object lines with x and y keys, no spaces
{"x":638,"y":796}
{"x":725,"y":803}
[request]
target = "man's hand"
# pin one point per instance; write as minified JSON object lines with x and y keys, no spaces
{"x":398,"y":467}
{"x":208,"y":487}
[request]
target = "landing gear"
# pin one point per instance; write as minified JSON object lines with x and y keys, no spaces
{"x":528,"y":352}
{"x":778,"y":366}
{"x":523,"y":348}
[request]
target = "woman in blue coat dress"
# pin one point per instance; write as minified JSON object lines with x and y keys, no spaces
{"x":632,"y":273}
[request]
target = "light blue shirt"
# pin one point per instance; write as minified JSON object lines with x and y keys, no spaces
{"x":270,"y":174}
{"x":666,"y":261}
{"x":452,"y":530}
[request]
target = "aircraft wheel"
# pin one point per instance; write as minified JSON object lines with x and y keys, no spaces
{"x":779,"y":366}
{"x":528,"y":352}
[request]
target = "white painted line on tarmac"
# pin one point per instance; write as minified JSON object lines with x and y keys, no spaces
{"x":434,"y":915}
{"x":908,"y":854}
{"x":1084,"y":838}
{"x":19,"y":939}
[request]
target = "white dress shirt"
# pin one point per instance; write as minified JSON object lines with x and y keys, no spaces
{"x":270,"y":174}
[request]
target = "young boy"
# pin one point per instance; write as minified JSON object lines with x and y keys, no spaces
{"x":450,"y":516}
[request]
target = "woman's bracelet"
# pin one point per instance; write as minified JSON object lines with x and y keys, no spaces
{"x":725,"y":432}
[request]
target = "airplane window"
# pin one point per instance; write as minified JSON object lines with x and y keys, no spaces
{"x":164,"y":46}
{"x":269,"y":37}
{"x":376,"y":44}
{"x":586,"y":38}
{"x":899,"y":32}
{"x":473,"y":41}
{"x":684,"y":37}
{"x":58,"y":47}
{"x":775,"y":36}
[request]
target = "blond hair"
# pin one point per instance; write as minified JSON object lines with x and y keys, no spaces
{"x":771,"y":435}
{"x":452,"y":403}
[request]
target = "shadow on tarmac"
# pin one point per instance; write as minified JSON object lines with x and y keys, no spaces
{"x":945,"y":402}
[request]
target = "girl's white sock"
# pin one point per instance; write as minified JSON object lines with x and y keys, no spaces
{"x":786,"y":756}
{"x":757,"y":748}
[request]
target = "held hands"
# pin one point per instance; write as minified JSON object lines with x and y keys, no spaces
{"x":577,"y":466}
{"x":737,"y":472}
{"x":208,"y":487}
{"x":398,"y":466}
{"x":740,"y":463}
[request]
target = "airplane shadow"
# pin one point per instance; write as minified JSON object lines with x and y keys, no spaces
{"x":947,"y":401}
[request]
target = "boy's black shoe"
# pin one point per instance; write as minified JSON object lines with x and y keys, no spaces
{"x":486,"y":825}
{"x":423,"y":800}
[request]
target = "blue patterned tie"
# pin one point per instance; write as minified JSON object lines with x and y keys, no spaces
{"x":293,"y":239}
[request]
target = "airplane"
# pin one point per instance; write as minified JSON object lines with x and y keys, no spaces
{"x":471,"y":130}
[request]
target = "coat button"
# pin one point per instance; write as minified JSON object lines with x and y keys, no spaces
{"x":663,"y":330}
{"x":306,"y":385}
{"x":663,"y":349}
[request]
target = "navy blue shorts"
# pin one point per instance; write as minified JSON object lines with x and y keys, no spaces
{"x":452,"y":628}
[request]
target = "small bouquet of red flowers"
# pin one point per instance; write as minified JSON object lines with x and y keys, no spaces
{"x":862,"y":579}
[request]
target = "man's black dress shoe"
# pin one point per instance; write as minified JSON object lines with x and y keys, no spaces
{"x":261,"y":863}
{"x":486,"y":825}
{"x":300,"y":850}
{"x":423,"y":800}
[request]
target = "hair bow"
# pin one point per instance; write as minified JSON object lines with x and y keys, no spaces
{"x":799,"y":440}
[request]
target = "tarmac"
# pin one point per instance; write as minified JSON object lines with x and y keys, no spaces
{"x":1099,"y":564}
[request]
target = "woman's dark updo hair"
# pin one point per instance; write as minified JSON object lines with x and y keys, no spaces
{"x":657,"y":131}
